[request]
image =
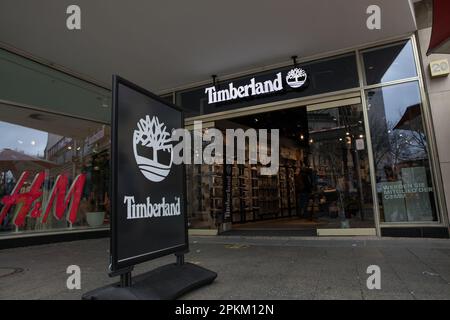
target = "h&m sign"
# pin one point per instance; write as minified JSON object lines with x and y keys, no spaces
{"x":29,"y":203}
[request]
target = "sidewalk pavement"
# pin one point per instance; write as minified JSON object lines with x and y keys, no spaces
{"x":249,"y":268}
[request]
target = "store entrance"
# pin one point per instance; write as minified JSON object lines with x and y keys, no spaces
{"x":323,"y":183}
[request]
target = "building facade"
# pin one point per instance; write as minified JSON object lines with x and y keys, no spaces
{"x":363,"y":146}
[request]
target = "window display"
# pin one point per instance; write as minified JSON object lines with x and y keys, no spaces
{"x":400,"y":150}
{"x":54,"y":172}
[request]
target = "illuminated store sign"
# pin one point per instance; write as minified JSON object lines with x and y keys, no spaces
{"x":295,"y":78}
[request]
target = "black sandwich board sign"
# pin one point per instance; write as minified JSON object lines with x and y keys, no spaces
{"x":148,"y":198}
{"x":148,"y":189}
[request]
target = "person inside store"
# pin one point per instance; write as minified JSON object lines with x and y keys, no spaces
{"x":303,"y":189}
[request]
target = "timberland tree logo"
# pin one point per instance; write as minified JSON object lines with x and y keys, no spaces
{"x":296,"y":78}
{"x":151,"y":134}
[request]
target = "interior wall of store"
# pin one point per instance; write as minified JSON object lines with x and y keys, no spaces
{"x":438,"y":90}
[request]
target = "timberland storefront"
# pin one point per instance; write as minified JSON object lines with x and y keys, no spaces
{"x":357,"y":153}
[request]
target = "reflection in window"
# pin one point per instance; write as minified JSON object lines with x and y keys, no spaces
{"x":400,"y":150}
{"x":389,"y":63}
{"x":54,"y":172}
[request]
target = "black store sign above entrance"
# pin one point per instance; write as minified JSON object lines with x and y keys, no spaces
{"x":296,"y":78}
{"x":302,"y":80}
{"x":148,"y":218}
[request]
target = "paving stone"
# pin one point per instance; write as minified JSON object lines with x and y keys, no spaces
{"x":250,"y":268}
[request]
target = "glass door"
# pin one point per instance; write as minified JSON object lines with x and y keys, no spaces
{"x":337,"y":165}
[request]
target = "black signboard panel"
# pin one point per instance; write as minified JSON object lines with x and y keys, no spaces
{"x":148,"y":203}
{"x":324,"y":76}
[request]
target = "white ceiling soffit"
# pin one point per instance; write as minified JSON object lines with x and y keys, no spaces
{"x":162,"y":44}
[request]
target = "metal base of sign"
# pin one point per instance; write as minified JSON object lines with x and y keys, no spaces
{"x":164,"y":283}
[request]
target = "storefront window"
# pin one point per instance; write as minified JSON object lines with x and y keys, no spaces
{"x":401,"y":155}
{"x":54,"y":172}
{"x":389,"y":63}
{"x":323,"y":179}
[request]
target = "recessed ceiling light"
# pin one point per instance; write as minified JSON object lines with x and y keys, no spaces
{"x":37,"y":116}
{"x":104,"y":102}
